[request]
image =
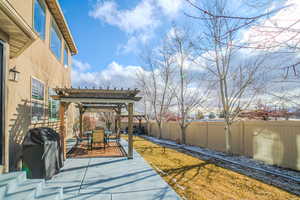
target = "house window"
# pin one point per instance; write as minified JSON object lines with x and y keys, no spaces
{"x":55,"y":43}
{"x":39,"y":18}
{"x":37,"y":97}
{"x":37,"y":89}
{"x":53,"y":106}
{"x":37,"y":111}
{"x":66,"y":60}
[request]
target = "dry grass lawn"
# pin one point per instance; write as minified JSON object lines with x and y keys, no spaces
{"x":193,"y":178}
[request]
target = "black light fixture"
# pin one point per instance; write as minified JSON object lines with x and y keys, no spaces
{"x":14,"y":74}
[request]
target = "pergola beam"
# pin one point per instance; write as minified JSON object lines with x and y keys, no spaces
{"x":98,"y":100}
{"x":100,"y":107}
{"x":97,"y":91}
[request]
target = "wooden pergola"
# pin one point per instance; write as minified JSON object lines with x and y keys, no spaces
{"x":138,"y":117}
{"x":97,"y":99}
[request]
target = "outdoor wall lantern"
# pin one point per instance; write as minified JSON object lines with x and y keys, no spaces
{"x":14,"y":74}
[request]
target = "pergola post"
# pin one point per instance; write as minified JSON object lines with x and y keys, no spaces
{"x":140,"y":123}
{"x":119,"y":118}
{"x":62,"y":109}
{"x":80,"y":122}
{"x":130,"y":130}
{"x":116,"y":124}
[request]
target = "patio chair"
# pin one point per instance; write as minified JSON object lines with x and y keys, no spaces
{"x":98,"y":137}
{"x":116,"y":137}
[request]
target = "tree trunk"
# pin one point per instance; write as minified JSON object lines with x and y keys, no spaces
{"x":183,"y":135}
{"x":160,"y":131}
{"x":228,"y":137}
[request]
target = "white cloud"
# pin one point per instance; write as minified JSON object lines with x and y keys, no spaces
{"x":80,"y":78}
{"x":134,"y":41}
{"x":81,"y":66}
{"x":139,"y":22}
{"x":114,"y":75}
{"x":131,"y":45}
{"x":170,"y":7}
{"x":139,"y":18}
{"x":282,"y":28}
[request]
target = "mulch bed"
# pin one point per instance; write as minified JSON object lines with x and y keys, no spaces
{"x":82,"y":151}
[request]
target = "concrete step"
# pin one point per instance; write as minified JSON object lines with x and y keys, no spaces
{"x":55,"y":193}
{"x":2,"y":191}
{"x":29,"y":189}
{"x":9,"y":181}
{"x":15,"y":186}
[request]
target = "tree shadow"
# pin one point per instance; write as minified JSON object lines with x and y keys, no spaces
{"x":19,"y":124}
{"x":18,"y":127}
{"x":180,"y":173}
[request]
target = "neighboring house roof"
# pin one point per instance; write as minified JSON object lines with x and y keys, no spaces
{"x":61,"y":22}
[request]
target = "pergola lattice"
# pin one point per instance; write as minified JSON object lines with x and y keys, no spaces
{"x":97,"y":99}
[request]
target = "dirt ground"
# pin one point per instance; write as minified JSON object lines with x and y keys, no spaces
{"x":193,"y":178}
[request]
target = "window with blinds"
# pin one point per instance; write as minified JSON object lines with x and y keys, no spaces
{"x":37,"y":111}
{"x":37,"y":100}
{"x":37,"y":89}
{"x":53,"y":106}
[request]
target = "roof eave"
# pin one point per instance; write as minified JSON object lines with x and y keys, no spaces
{"x":57,"y":13}
{"x":19,"y":32}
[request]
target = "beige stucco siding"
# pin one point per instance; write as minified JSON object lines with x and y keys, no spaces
{"x":37,"y":61}
{"x":24,"y":9}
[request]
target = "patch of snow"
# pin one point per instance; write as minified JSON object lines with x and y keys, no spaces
{"x":235,"y":160}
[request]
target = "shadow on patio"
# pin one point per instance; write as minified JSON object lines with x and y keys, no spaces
{"x":82,"y":150}
{"x":111,"y":178}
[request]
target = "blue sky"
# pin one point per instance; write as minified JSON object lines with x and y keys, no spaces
{"x":97,"y":42}
{"x":111,"y":34}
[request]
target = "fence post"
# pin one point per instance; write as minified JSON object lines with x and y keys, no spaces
{"x":206,"y":144}
{"x":243,"y":138}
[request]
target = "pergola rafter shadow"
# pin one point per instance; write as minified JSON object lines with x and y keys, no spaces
{"x":97,"y":99}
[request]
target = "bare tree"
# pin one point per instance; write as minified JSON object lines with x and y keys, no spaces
{"x":191,"y":90}
{"x":107,"y":118}
{"x":156,"y":82}
{"x":237,"y":71}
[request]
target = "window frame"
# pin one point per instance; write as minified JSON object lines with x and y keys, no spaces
{"x":66,"y":50}
{"x":56,"y":29}
{"x":3,"y":99}
{"x":50,"y":101}
{"x":42,"y":102}
{"x":44,"y":8}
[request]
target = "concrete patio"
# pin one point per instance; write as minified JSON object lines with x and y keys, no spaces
{"x":111,"y":178}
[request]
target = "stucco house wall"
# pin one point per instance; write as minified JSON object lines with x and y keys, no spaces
{"x":36,"y":61}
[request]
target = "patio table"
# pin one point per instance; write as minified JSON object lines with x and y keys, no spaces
{"x":107,"y":134}
{"x":89,"y":136}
